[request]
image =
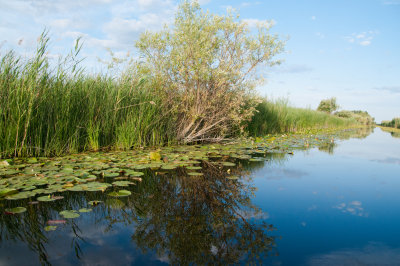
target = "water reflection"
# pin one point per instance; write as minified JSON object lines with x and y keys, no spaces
{"x":201,"y":220}
{"x":169,"y":218}
{"x":181,"y":219}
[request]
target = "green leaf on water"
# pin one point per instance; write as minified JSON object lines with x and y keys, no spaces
{"x":45,"y":198}
{"x":7,"y":191}
{"x":168,"y":167}
{"x":121,"y":193}
{"x":122,"y":183}
{"x":195,"y":174}
{"x":134,"y":173}
{"x":21,"y":195}
{"x":228,"y":164}
{"x":50,"y":228}
{"x":85,"y":210}
{"x":155,"y":156}
{"x":70,"y":214}
{"x":193,"y":167}
{"x":106,"y":174}
{"x":16,"y":210}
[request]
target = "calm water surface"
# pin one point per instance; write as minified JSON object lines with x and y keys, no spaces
{"x":333,"y":205}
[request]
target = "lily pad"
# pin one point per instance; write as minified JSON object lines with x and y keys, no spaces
{"x":70,"y":214}
{"x":155,"y":156}
{"x":45,"y":198}
{"x":134,"y":173}
{"x":50,"y":228}
{"x":121,"y":193}
{"x":168,"y":167}
{"x":16,"y":210}
{"x":228,"y":164}
{"x":111,"y":174}
{"x":85,"y":210}
{"x":7,"y":191}
{"x":193,"y":167}
{"x":195,"y":174}
{"x":122,"y":183}
{"x":21,"y":195}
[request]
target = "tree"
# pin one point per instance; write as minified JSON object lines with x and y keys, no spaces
{"x":328,"y":105}
{"x":206,"y":68}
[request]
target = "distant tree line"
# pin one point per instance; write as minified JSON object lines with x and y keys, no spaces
{"x":395,"y":123}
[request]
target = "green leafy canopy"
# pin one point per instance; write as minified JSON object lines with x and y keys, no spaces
{"x":206,"y":66}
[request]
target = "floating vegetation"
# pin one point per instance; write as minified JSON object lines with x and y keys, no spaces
{"x":50,"y":228}
{"x":15,"y":210}
{"x":195,"y":174}
{"x":70,"y":214}
{"x":45,"y":198}
{"x":41,"y":179}
{"x":121,"y":193}
{"x":122,"y":183}
{"x":85,"y":210}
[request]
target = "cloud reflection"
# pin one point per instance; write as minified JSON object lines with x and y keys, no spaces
{"x":371,"y":254}
{"x":390,"y":160}
{"x":280,"y":173}
{"x":353,"y":208}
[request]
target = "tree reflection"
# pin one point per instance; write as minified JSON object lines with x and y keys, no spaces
{"x":184,"y":219}
{"x":201,"y":220}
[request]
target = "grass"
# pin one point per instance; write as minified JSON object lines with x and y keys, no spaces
{"x":45,"y":111}
{"x":277,"y":117}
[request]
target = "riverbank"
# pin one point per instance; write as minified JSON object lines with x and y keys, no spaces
{"x":52,"y":111}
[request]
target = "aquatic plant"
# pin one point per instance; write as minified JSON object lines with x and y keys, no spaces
{"x":277,"y":116}
{"x":52,"y":111}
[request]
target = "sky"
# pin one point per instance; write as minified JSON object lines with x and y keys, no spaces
{"x":348,"y":49}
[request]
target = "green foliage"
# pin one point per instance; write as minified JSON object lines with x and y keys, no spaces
{"x":278,"y":117}
{"x":205,"y":68}
{"x":328,"y":105}
{"x":361,"y":117}
{"x":395,"y":123}
{"x":46,"y":111}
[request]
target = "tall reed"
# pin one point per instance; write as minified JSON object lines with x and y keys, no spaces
{"x":50,"y":111}
{"x":278,"y":117}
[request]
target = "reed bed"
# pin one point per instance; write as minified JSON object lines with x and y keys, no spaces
{"x":277,"y":117}
{"x":53,"y":109}
{"x":48,"y":110}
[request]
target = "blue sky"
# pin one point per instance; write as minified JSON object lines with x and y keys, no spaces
{"x":349,"y":49}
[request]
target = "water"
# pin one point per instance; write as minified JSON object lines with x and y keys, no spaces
{"x":336,"y":209}
{"x":336,"y":205}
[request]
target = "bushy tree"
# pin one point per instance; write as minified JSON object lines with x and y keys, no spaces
{"x":205,"y":66}
{"x":328,"y":105}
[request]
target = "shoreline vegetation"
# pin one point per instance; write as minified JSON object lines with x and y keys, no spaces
{"x":174,"y":95}
{"x":394,"y":123}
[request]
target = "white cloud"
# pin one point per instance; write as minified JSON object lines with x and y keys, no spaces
{"x":363,"y":38}
{"x":313,"y":18}
{"x":254,"y":23}
{"x":114,"y":24}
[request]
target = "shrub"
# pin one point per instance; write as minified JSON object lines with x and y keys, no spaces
{"x":205,"y":67}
